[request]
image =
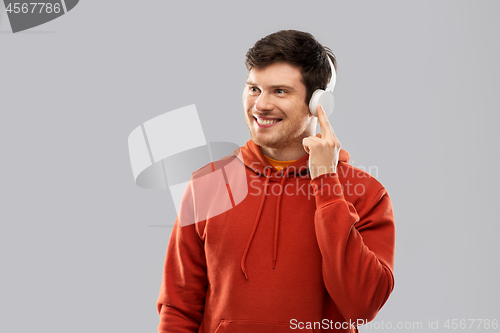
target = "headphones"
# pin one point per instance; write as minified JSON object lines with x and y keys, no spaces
{"x":324,"y":97}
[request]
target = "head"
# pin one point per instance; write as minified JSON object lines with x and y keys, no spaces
{"x":285,"y":68}
{"x":297,"y":48}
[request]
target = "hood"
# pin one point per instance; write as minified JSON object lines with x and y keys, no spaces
{"x":254,"y":159}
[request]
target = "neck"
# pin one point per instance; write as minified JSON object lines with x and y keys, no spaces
{"x":288,"y":154}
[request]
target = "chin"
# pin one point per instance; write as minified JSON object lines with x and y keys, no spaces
{"x":268,"y":143}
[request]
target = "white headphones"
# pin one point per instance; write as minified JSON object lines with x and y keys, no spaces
{"x":324,"y":97}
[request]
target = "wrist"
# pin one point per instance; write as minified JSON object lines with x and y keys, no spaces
{"x":327,"y":188}
{"x":320,"y":170}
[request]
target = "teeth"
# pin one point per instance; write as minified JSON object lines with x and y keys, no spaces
{"x":266,"y":121}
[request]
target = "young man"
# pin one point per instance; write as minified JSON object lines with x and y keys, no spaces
{"x":312,"y":244}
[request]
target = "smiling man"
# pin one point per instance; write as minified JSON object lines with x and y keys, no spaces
{"x":276,"y":112}
{"x":312,"y":244}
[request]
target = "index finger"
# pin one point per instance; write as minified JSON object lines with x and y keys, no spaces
{"x":325,"y":127}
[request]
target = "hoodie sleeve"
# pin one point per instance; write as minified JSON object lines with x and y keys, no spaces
{"x":182,"y":293}
{"x":357,"y":247}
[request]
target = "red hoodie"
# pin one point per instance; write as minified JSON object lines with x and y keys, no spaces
{"x":295,"y":254}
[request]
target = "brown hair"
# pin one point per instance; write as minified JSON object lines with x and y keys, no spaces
{"x":297,"y":48}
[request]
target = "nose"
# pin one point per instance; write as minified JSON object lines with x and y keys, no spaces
{"x":263,"y":102}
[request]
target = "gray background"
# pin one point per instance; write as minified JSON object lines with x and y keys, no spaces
{"x":82,"y":247}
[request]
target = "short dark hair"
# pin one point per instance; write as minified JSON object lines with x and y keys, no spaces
{"x":297,"y":48}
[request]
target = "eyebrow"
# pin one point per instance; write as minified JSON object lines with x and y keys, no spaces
{"x":277,"y":86}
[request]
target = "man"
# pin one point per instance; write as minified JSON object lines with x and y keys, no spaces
{"x":312,"y":244}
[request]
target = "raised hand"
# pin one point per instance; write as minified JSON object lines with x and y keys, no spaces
{"x":323,"y":149}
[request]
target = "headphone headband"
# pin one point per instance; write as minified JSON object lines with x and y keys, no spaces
{"x":333,"y":78}
{"x":324,"y":97}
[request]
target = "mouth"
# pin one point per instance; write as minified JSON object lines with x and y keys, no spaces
{"x":266,"y":121}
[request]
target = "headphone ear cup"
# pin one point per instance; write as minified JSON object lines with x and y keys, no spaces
{"x":323,"y":98}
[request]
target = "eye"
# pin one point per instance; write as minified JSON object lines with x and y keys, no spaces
{"x":280,"y":91}
{"x":253,"y":90}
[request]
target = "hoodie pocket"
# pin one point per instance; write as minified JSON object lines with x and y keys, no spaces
{"x":248,"y":326}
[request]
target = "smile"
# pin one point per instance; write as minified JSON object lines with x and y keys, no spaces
{"x":266,"y":122}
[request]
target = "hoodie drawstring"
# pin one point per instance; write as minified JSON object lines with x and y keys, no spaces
{"x":276,"y":226}
{"x":256,"y":223}
{"x":257,"y":219}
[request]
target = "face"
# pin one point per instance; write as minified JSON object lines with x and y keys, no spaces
{"x":275,"y":109}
